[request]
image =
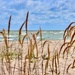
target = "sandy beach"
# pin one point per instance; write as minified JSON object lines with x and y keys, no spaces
{"x":20,"y":64}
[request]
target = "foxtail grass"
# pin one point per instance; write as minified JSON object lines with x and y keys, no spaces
{"x":29,"y":56}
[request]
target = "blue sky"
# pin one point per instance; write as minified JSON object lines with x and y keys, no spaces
{"x":47,"y":14}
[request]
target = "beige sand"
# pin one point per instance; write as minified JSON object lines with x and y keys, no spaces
{"x":17,"y":66}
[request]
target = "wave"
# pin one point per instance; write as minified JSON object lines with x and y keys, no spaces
{"x":12,"y":36}
{"x":60,"y":32}
{"x":52,"y":34}
{"x":7,"y":39}
{"x":38,"y":38}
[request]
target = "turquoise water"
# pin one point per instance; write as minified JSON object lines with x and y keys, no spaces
{"x":51,"y":35}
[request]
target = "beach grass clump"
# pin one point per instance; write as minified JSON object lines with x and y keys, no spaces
{"x":29,"y":56}
{"x":68,"y":47}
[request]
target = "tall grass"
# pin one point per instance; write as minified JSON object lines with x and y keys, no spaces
{"x":29,"y":56}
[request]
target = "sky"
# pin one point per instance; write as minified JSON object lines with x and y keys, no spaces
{"x":47,"y":14}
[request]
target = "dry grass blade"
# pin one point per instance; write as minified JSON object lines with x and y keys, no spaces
{"x":46,"y":66}
{"x":68,"y":68}
{"x":44,"y":57}
{"x":72,"y":28}
{"x":67,"y":31}
{"x":37,"y":32}
{"x":20,"y":32}
{"x":46,"y":41}
{"x":72,"y":37}
{"x":72,"y":43}
{"x":66,"y":50}
{"x":5,"y":38}
{"x":68,"y":28}
{"x":58,"y":59}
{"x":48,"y":52}
{"x":40,"y":34}
{"x":24,"y":39}
{"x":73,"y":66}
{"x":25,"y":66}
{"x":43,"y":45}
{"x":27,"y":21}
{"x":62,"y":47}
{"x":35,"y":44}
{"x":25,"y":36}
{"x":42,"y":67}
{"x":6,"y":55}
{"x":14,"y":68}
{"x":9,"y":25}
{"x":65,"y":38}
{"x":31,"y":48}
{"x":55,"y":64}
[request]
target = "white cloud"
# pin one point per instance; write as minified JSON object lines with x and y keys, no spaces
{"x":41,"y":11}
